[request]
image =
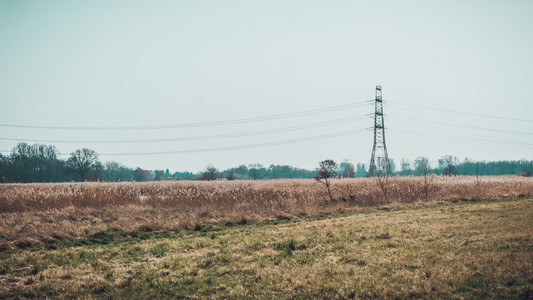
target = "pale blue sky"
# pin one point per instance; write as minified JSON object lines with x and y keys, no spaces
{"x":136,"y":63}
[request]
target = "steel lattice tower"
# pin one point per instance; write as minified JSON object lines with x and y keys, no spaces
{"x":379,"y":163}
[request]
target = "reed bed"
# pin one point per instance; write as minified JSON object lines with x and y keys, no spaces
{"x":31,"y":213}
{"x":262,"y":196}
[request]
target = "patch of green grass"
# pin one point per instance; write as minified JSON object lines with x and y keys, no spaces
{"x":286,"y":247}
{"x":160,"y":249}
{"x":110,"y":237}
{"x":102,"y":238}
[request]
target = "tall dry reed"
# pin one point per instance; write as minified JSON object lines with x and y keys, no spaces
{"x":262,"y":196}
{"x":35,"y":212}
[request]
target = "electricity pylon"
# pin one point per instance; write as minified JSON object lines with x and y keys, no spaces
{"x":379,"y":163}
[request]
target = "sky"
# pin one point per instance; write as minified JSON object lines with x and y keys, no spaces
{"x":184,"y":84}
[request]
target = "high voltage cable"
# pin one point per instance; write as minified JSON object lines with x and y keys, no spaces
{"x":200,"y":124}
{"x":481,"y":138}
{"x":278,"y":143}
{"x":207,"y":137}
{"x":241,"y":147}
{"x":475,"y":140}
{"x":459,"y":112}
{"x":461,"y":125}
{"x":469,"y":137}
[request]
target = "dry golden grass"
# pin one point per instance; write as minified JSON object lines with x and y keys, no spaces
{"x":463,"y":250}
{"x":252,"y":196}
{"x":31,"y":213}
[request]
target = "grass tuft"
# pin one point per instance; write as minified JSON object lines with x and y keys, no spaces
{"x":160,"y":249}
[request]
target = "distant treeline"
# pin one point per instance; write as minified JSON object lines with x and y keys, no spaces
{"x":41,"y":163}
{"x":450,"y":165}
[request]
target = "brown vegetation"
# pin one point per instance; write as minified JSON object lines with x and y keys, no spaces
{"x":463,"y":250}
{"x":35,"y":212}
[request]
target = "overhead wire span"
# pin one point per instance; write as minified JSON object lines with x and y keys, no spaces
{"x":462,"y":134}
{"x":475,"y":140}
{"x":200,"y":124}
{"x":241,"y":147}
{"x":460,"y":125}
{"x":458,"y":112}
{"x":206,"y":137}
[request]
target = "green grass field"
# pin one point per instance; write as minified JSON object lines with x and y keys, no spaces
{"x":474,"y":249}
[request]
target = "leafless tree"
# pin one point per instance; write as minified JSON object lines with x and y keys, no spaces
{"x":347,"y":169}
{"x":210,"y":173}
{"x":382,"y":179}
{"x":253,"y":170}
{"x":82,"y":162}
{"x":448,"y":165}
{"x":328,"y":169}
{"x":423,"y":168}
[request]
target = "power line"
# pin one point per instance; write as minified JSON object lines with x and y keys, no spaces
{"x":278,"y":143}
{"x":461,"y":125}
{"x":459,"y":112}
{"x":241,"y":147}
{"x":200,"y":124}
{"x":196,"y":138}
{"x":474,"y":140}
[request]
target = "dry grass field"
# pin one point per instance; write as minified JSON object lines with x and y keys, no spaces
{"x":33,"y":213}
{"x":269,"y":239}
{"x":452,"y":250}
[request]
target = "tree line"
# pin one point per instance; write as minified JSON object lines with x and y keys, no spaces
{"x":41,"y":163}
{"x":450,"y":165}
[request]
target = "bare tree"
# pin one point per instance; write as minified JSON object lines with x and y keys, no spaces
{"x":405,"y":167}
{"x":115,"y":171}
{"x":328,"y":169}
{"x":347,"y":169}
{"x":141,"y":175}
{"x":82,"y":162}
{"x":423,"y":168}
{"x":448,"y":165}
{"x":382,"y":178}
{"x":210,"y":173}
{"x":254,"y":169}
